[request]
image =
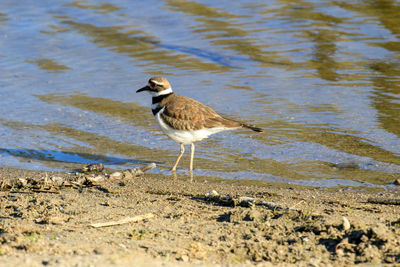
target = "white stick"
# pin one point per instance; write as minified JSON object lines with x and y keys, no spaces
{"x":124,"y":221}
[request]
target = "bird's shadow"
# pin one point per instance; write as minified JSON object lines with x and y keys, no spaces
{"x":67,"y":157}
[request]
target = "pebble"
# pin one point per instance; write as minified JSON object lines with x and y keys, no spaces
{"x":345,"y":223}
{"x":397,"y":182}
{"x":23,"y":181}
{"x":57,"y":181}
{"x":185,"y":258}
{"x":116,"y":175}
{"x":99,"y":250}
{"x":212,"y":194}
{"x":93,"y":167}
{"x":98,"y":178}
{"x":246,"y":201}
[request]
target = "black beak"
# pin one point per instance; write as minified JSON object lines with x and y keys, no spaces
{"x":146,"y":88}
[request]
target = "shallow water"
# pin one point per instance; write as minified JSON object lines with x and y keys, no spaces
{"x":321,"y":77}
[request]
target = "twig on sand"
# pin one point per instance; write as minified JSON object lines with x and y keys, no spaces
{"x":35,"y":191}
{"x":45,"y":191}
{"x":124,"y":221}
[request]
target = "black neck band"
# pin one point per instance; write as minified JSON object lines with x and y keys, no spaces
{"x":158,"y":99}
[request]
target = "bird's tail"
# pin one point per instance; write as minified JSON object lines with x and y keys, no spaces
{"x":252,"y":127}
{"x":233,"y":124}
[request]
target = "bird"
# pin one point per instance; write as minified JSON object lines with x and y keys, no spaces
{"x":184,"y":119}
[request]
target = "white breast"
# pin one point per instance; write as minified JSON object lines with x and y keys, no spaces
{"x":186,"y":137}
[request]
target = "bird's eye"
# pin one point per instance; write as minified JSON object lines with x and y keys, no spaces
{"x":153,"y":84}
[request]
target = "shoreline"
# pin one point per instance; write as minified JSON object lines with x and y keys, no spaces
{"x":203,"y":222}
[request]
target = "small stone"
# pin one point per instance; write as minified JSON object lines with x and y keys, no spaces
{"x":212,"y":194}
{"x":98,"y":250}
{"x":42,"y":220}
{"x":345,"y":223}
{"x":397,"y":182}
{"x":185,"y":258}
{"x":95,"y":179}
{"x":57,"y":181}
{"x":305,"y":239}
{"x":23,"y":182}
{"x":80,"y":180}
{"x":105,"y":203}
{"x":246,"y":201}
{"x":93,"y":167}
{"x":116,"y":175}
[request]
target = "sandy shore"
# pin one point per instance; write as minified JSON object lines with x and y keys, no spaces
{"x":46,"y":219}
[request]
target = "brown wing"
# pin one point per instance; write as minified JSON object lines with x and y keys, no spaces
{"x":188,"y":114}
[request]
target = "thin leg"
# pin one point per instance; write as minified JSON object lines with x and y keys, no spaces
{"x":179,"y":157}
{"x":174,"y":175}
{"x":191,"y":157}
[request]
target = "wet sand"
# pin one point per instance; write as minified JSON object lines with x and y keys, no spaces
{"x":46,"y":220}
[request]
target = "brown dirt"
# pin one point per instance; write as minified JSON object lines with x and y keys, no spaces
{"x":278,"y":225}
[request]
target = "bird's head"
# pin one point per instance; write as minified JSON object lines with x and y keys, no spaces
{"x":157,"y":86}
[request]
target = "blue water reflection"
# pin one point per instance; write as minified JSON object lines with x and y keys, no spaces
{"x":321,"y":77}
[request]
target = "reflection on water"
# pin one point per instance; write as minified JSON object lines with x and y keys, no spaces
{"x":48,"y":64}
{"x":321,"y":77}
{"x":386,"y":95}
{"x":102,"y":8}
{"x":141,"y":46}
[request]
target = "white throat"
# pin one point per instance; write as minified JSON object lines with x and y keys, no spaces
{"x":163,"y":92}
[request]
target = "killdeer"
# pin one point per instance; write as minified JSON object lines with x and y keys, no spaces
{"x":184,"y":119}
